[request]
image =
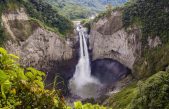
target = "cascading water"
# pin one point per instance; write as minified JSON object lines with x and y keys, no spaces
{"x":82,"y":83}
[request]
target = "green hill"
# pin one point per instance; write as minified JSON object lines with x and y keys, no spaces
{"x":40,"y":10}
{"x":74,"y":9}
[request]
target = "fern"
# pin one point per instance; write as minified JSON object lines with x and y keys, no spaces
{"x":5,"y":87}
{"x":4,"y":83}
{"x":3,"y":51}
{"x":3,"y":77}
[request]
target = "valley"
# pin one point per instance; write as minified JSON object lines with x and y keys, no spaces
{"x":53,"y":55}
{"x":81,"y":9}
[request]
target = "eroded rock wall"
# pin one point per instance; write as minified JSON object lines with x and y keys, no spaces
{"x":38,"y":47}
{"x":109,"y":39}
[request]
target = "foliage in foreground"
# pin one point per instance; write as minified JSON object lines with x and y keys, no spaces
{"x":79,"y":105}
{"x":24,"y":88}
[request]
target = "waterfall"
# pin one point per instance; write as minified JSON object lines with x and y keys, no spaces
{"x":82,"y":81}
{"x":83,"y":70}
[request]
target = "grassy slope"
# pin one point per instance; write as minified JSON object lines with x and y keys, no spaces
{"x":122,"y":99}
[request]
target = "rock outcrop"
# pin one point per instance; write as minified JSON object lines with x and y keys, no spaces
{"x":39,"y":48}
{"x":40,"y":45}
{"x":109,"y":39}
{"x":36,"y":46}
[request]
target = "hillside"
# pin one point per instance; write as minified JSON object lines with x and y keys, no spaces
{"x":74,"y":9}
{"x":40,"y":12}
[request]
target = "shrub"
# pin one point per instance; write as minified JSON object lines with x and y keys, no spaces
{"x":117,"y":100}
{"x":23,"y":88}
{"x":153,"y":93}
{"x":45,"y":13}
{"x":153,"y":15}
{"x":79,"y":105}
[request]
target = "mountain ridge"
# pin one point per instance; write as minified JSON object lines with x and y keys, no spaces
{"x":75,"y":9}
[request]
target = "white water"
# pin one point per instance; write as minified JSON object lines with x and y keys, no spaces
{"x":82,"y":83}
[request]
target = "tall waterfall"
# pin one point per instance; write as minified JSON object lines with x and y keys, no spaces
{"x":82,"y":83}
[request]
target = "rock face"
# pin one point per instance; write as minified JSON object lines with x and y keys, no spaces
{"x":109,"y":39}
{"x":154,"y":42}
{"x":40,"y":47}
{"x":36,"y":46}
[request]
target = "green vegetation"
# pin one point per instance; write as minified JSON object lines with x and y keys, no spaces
{"x":107,"y":13}
{"x":2,"y":37}
{"x":10,"y":5}
{"x":23,"y":88}
{"x":153,"y":15}
{"x":80,"y":9}
{"x":153,"y":93}
{"x":87,"y":23}
{"x":70,"y":9}
{"x":37,"y":22}
{"x":79,"y":105}
{"x":153,"y":60}
{"x":41,"y":13}
{"x":45,"y":13}
{"x":104,"y":14}
{"x":122,"y":99}
{"x":152,"y":66}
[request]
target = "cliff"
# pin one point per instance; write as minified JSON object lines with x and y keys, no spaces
{"x":35,"y":45}
{"x":137,"y":32}
{"x":110,"y":39}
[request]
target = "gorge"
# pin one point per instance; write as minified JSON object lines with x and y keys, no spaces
{"x":124,"y":54}
{"x":88,"y":83}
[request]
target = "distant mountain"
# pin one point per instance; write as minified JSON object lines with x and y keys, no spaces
{"x":73,"y":9}
{"x":113,"y":2}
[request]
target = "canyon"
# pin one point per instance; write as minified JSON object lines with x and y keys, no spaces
{"x":47,"y":51}
{"x":117,"y":59}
